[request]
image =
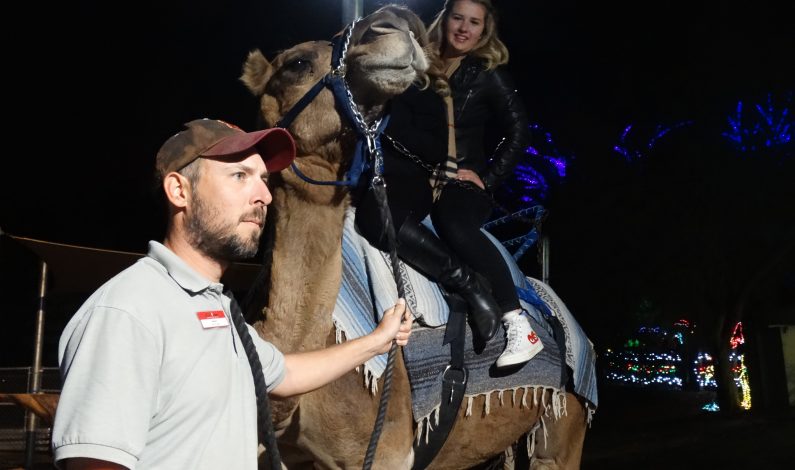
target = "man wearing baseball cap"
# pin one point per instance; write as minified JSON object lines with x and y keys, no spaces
{"x":158,"y":365}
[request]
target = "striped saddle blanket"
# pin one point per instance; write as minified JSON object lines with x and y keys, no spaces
{"x":368,"y":288}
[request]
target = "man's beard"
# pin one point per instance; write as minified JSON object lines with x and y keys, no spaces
{"x":210,"y":234}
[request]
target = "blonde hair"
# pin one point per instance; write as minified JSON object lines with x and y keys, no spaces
{"x":490,"y":48}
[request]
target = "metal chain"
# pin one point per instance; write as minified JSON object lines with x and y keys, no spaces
{"x":431,"y":169}
{"x":340,"y":71}
{"x":444,"y":179}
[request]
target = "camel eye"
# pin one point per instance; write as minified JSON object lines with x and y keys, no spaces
{"x":299,"y":65}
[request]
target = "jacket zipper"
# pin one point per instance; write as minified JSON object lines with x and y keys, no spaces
{"x":461,"y":110}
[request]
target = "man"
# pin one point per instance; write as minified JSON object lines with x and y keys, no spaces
{"x":154,"y":375}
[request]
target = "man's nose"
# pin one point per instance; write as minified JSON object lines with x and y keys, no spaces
{"x":262,"y":194}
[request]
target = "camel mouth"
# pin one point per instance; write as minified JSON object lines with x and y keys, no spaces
{"x":388,"y":67}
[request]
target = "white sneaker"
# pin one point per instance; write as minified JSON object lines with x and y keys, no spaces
{"x":523,"y":343}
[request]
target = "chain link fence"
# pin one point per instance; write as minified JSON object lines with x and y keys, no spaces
{"x":14,"y":436}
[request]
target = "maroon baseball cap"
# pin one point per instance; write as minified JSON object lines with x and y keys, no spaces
{"x":215,"y":138}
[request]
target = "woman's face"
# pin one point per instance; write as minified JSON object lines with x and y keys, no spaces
{"x":463,"y":28}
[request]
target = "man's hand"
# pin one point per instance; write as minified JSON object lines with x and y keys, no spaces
{"x":310,"y":370}
{"x":395,"y":325}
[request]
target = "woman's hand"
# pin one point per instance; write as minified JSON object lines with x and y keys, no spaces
{"x":472,"y":177}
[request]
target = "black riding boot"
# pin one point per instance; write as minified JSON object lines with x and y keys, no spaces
{"x":423,"y":250}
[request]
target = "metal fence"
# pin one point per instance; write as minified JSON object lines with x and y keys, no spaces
{"x":13,"y":433}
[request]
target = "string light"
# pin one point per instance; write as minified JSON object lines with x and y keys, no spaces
{"x":769,"y":127}
{"x":533,"y":177}
{"x":644,"y":368}
{"x":704,"y":371}
{"x":636,"y":151}
{"x":635,"y":365}
{"x":737,"y":337}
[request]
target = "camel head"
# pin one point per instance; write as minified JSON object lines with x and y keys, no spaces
{"x":382,"y":59}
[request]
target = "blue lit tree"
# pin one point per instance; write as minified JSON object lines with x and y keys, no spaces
{"x":765,"y":127}
{"x":536,"y":177}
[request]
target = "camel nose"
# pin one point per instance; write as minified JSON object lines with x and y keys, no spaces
{"x":385,"y":26}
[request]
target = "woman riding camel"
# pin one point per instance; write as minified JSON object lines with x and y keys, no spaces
{"x":418,"y":125}
{"x":484,"y":99}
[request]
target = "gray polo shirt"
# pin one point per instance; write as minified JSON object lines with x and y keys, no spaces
{"x":153,"y":381}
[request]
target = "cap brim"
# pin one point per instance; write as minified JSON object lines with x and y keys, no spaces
{"x":276,"y":147}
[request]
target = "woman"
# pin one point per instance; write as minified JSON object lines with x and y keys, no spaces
{"x":484,"y":99}
{"x":417,"y":138}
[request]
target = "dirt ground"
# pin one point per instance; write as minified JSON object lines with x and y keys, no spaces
{"x":648,"y":429}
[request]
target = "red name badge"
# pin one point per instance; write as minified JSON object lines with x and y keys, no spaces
{"x":213,"y":319}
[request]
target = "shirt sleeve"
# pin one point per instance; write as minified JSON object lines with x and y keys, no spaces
{"x":271,"y":358}
{"x":109,"y":365}
{"x":511,"y":118}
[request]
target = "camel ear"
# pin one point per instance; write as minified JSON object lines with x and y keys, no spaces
{"x":256,"y":72}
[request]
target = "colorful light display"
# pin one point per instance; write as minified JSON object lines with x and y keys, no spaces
{"x":636,"y":363}
{"x":644,"y":368}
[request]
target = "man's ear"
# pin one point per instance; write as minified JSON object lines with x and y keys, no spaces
{"x":176,"y":188}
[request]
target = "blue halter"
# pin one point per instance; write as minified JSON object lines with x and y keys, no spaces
{"x":369,"y":140}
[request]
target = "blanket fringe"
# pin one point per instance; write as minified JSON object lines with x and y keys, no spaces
{"x":591,"y":410}
{"x":426,"y":424}
{"x":555,"y":409}
{"x":370,"y":380}
{"x":532,"y":439}
{"x":558,"y":408}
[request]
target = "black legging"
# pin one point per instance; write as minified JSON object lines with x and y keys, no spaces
{"x":457,"y":217}
{"x":406,"y":195}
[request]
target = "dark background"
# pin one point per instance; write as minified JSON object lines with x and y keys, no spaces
{"x":93,"y":89}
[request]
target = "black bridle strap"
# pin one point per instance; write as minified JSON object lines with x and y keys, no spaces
{"x":310,"y":95}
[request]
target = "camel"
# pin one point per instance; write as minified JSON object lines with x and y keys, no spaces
{"x":330,"y":427}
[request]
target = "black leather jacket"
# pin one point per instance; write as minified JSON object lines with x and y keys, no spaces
{"x":482,"y":99}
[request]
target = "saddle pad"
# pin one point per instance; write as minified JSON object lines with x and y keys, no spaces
{"x":368,"y":288}
{"x":426,"y":358}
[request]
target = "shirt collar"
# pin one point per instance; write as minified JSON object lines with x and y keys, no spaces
{"x":178,"y":269}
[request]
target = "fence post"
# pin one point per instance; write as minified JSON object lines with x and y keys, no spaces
{"x":545,"y":259}
{"x":34,"y":385}
{"x":351,"y":9}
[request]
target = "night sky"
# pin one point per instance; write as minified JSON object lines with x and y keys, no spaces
{"x":94,"y":88}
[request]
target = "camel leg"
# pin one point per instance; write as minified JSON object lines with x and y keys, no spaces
{"x":337,"y":420}
{"x":562,"y":448}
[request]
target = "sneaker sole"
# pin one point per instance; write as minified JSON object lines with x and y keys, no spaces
{"x":519,"y":358}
